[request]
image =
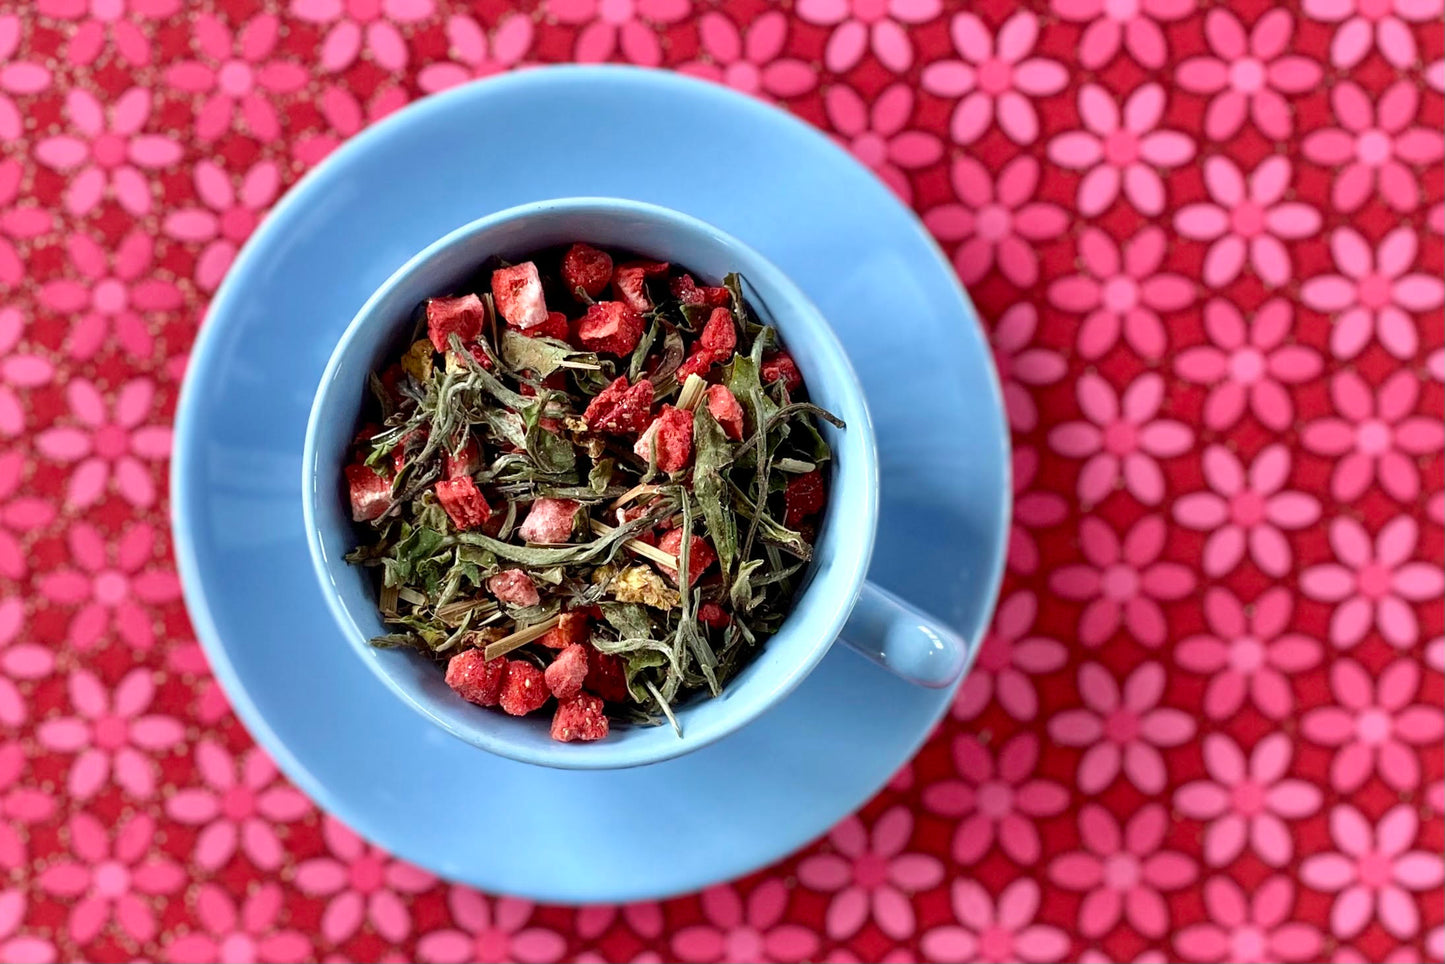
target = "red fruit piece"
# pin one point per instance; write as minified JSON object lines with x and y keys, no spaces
{"x":447,"y":315}
{"x":549,"y":521}
{"x":724,"y":407}
{"x":627,"y":282}
{"x":671,"y":433}
{"x":687,"y":291}
{"x":370,"y":493}
{"x":781,"y":365}
{"x":719,"y":335}
{"x":619,"y":409}
{"x":475,"y":678}
{"x":585,"y":267}
{"x":580,"y":718}
{"x":697,"y":363}
{"x":571,"y":628}
{"x":464,"y":462}
{"x":804,"y":496}
{"x":463,"y":502}
{"x":567,"y":671}
{"x":699,"y":558}
{"x":398,"y":454}
{"x":606,"y":676}
{"x":514,"y":586}
{"x":713,"y":615}
{"x":610,"y":326}
{"x":524,"y":689}
{"x":517,"y":292}
{"x":554,"y":327}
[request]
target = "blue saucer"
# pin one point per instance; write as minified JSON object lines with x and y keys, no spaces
{"x":572,"y":836}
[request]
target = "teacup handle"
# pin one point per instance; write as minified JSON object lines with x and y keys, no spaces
{"x":903,"y":640}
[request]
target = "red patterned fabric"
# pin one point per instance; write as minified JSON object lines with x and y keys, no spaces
{"x":1206,"y":239}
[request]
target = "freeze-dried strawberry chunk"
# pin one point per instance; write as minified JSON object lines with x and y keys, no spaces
{"x":413,"y":440}
{"x":606,"y":676}
{"x":524,"y":689}
{"x":370,"y":493}
{"x":549,"y":521}
{"x":580,"y":718}
{"x":571,"y":628}
{"x":447,"y":315}
{"x":585,"y":267}
{"x":781,"y":365}
{"x":464,"y":462}
{"x":555,"y":326}
{"x":610,"y":326}
{"x":627,"y":282}
{"x":463,"y":502}
{"x":475,"y":678}
{"x":517,"y":292}
{"x":711,"y":614}
{"x":514,"y":586}
{"x":565,"y":673}
{"x":724,"y":407}
{"x":699,"y":557}
{"x":698,"y":363}
{"x":620,"y":410}
{"x":687,"y":291}
{"x":671,"y":434}
{"x":719,"y":335}
{"x":804,"y":496}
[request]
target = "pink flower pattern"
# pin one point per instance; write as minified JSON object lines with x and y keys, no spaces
{"x":241,"y":801}
{"x":1374,"y":292}
{"x":863,"y":25}
{"x":21,"y":805}
{"x":113,"y":294}
{"x":240,"y":935}
{"x":1373,"y":725}
{"x":238,"y":76}
{"x":1253,"y":927}
{"x":108,"y":151}
{"x":356,"y":25}
{"x":111,"y":586}
{"x":876,"y":135}
{"x":1382,"y":24}
{"x":997,"y":222}
{"x":363,"y":884}
{"x":1033,"y":509}
{"x":19,"y":516}
{"x":1007,"y":659}
{"x":230,"y":213}
{"x":613,"y":26}
{"x":1373,"y":146}
{"x":18,"y":661}
{"x":18,"y":371}
{"x":1373,"y":871}
{"x":474,"y":55}
{"x":1374,"y":580}
{"x":489,"y":931}
{"x":1373,"y":436}
{"x":745,"y":931}
{"x":19,"y":221}
{"x":1133,"y":27}
{"x":1123,"y":581}
{"x":108,"y":447}
{"x":750,"y":60}
{"x":1021,"y":363}
{"x":1002,"y":931}
{"x":106,"y":25}
{"x":1249,"y":75}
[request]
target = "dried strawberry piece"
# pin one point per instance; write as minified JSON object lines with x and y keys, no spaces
{"x":463,"y":502}
{"x":671,"y":434}
{"x":524,"y":689}
{"x":517,"y":292}
{"x":398,"y":454}
{"x":711,"y":614}
{"x":698,"y":363}
{"x":628,"y":282}
{"x":515,"y":587}
{"x":610,"y":326}
{"x":580,"y":718}
{"x":719,"y":335}
{"x":565,"y":673}
{"x":585,"y":267}
{"x":724,"y":407}
{"x":365,"y":434}
{"x":475,"y":678}
{"x":549,"y":521}
{"x":699,"y":558}
{"x":571,"y":628}
{"x":464,"y":462}
{"x":687,"y":291}
{"x":606,"y":676}
{"x":781,"y":365}
{"x":462,"y":316}
{"x":370,"y":493}
{"x":620,"y":410}
{"x":555,"y":326}
{"x":805,"y":495}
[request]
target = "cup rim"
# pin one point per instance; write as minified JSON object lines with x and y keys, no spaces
{"x":593,"y":756}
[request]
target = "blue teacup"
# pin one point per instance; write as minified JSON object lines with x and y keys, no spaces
{"x":835,"y":600}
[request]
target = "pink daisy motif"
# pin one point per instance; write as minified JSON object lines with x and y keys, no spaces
{"x":1374,"y":293}
{"x":20,"y":804}
{"x":750,"y":60}
{"x":18,"y":221}
{"x":230,"y":213}
{"x":1373,"y":146}
{"x":869,"y":875}
{"x":489,"y":931}
{"x":995,"y":78}
{"x":18,"y":661}
{"x":347,"y":116}
{"x":19,"y":515}
{"x":1383,"y":24}
{"x":1121,"y":292}
{"x":108,"y":24}
{"x":1121,"y":149}
{"x":1123,"y":581}
{"x":1374,"y":437}
{"x":996,"y":801}
{"x":19,"y":372}
{"x":745,"y":931}
{"x":861,"y":25}
{"x":362,"y":24}
{"x":1375,"y":725}
{"x":108,"y":151}
{"x":244,"y":935}
{"x":1008,"y":659}
{"x":1021,"y":363}
{"x":1131,"y":24}
{"x":18,"y":77}
{"x":112,"y":734}
{"x":1248,"y":74}
{"x":612,"y":25}
{"x":113,"y":292}
{"x":1033,"y":509}
{"x":995,"y":932}
{"x":1247,"y":365}
{"x":1248,"y":655}
{"x":239,"y":76}
{"x":17,"y":947}
{"x":1374,"y":872}
{"x":1246,"y":802}
{"x":1247,"y":510}
{"x":996,"y":221}
{"x":238,"y":806}
{"x":112,"y":879}
{"x":876,"y":135}
{"x":1247,"y":221}
{"x":474,"y":55}
{"x":111,"y":586}
{"x":364,"y":883}
{"x":644,"y":917}
{"x":1123,"y":731}
{"x":1122,"y":871}
{"x":109,"y":446}
{"x":1249,"y":928}
{"x":1122,"y":439}
{"x":1374,"y":582}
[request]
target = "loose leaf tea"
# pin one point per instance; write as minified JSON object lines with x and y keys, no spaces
{"x":606,"y":508}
